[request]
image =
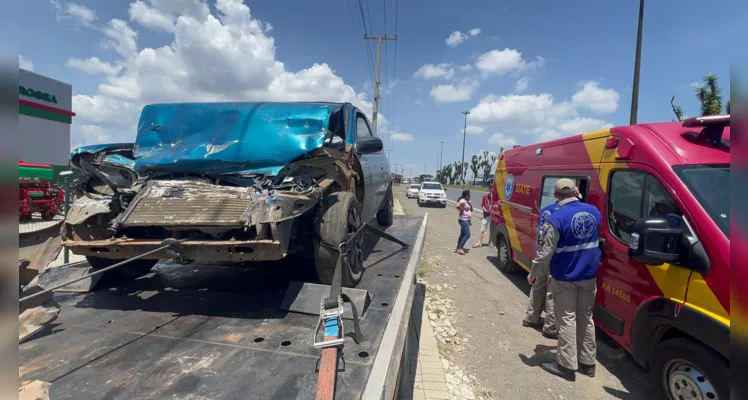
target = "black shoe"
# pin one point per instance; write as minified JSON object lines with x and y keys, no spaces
{"x":529,"y":325}
{"x":553,"y":336}
{"x":558,"y":370}
{"x":588,"y":370}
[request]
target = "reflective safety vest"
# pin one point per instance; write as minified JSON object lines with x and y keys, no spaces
{"x":577,"y":255}
{"x":544,"y":214}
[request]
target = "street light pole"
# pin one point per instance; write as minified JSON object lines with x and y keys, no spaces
{"x":637,"y":67}
{"x":464,"y":134}
{"x":441,"y":155}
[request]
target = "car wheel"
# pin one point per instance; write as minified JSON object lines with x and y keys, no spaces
{"x":419,"y":203}
{"x":685,"y":369}
{"x":129,"y":271}
{"x":506,"y":264}
{"x":385,"y":215}
{"x":341,"y":218}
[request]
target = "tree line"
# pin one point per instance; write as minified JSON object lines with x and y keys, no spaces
{"x":453,"y":173}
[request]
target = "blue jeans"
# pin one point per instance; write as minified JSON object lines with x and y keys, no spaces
{"x":464,"y":233}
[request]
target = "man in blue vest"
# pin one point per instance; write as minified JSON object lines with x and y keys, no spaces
{"x":571,"y":249}
{"x":539,"y":279}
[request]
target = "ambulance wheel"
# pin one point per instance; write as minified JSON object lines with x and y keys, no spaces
{"x":341,"y":218}
{"x":385,"y":215}
{"x":131,"y":270}
{"x":685,"y":369}
{"x":506,"y":264}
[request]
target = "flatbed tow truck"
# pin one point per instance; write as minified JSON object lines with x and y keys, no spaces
{"x":211,"y":331}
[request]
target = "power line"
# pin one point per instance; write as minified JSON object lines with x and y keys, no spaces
{"x":366,"y":46}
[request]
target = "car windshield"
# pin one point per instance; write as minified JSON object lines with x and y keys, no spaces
{"x":432,"y":186}
{"x":710,"y":185}
{"x":415,"y":186}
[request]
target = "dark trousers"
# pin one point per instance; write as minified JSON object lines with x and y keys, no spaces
{"x":464,"y":233}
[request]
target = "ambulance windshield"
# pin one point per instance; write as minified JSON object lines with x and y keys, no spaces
{"x":710,"y":184}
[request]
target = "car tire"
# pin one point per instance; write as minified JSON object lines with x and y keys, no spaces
{"x":385,"y":215}
{"x":504,"y":255}
{"x":419,"y":203}
{"x":131,"y":270}
{"x":341,"y":217}
{"x":686,"y":365}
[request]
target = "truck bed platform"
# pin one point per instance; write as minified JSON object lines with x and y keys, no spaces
{"x":211,"y":331}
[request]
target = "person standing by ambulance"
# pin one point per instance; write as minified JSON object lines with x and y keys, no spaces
{"x":571,"y":249}
{"x":486,"y":220}
{"x":540,"y":292}
{"x":464,"y":219}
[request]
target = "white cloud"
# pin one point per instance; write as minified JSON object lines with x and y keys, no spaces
{"x":473,"y":130}
{"x":224,"y":56}
{"x":522,"y":84}
{"x":500,"y":62}
{"x":80,"y":14}
{"x":502,"y":140}
{"x":457,"y":38}
{"x":431,"y":71}
{"x":151,"y":17}
{"x":582,"y":125}
{"x":592,"y":97}
{"x":466,"y":67}
{"x":419,"y":103}
{"x":93,"y":66}
{"x":461,"y":91}
{"x":524,"y":109}
{"x":402,"y":137}
{"x":530,"y":118}
{"x":120,"y":37}
{"x":24,"y":63}
{"x":695,"y":85}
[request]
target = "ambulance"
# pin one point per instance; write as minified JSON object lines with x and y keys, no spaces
{"x":663,"y":286}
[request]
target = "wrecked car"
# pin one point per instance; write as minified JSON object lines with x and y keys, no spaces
{"x":241,"y":182}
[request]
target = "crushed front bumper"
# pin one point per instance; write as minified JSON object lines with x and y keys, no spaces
{"x":203,"y":250}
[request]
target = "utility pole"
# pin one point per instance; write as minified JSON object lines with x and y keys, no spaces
{"x":379,"y":40}
{"x":637,"y":67}
{"x":464,"y":134}
{"x":441,"y":155}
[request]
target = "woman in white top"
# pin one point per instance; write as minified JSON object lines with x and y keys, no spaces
{"x":466,"y":213}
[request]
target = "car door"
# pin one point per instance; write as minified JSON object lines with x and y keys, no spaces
{"x":373,"y":167}
{"x":623,"y":283}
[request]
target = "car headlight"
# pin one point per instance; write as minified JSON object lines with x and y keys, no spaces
{"x":444,"y":195}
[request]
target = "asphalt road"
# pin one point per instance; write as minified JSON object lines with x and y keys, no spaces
{"x":503,"y":355}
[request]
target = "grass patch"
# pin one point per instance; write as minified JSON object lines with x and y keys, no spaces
{"x":425,"y":267}
{"x":484,"y":393}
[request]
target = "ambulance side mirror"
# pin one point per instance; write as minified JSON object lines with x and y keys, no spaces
{"x":654,"y":242}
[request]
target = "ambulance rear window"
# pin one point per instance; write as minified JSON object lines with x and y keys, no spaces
{"x":710,"y":185}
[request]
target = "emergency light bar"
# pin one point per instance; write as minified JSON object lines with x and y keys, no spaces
{"x":714,"y":126}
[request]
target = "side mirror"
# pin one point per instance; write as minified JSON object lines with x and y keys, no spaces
{"x":654,"y":242}
{"x":369,"y":145}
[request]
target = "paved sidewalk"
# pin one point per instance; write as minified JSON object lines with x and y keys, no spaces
{"x":427,"y":379}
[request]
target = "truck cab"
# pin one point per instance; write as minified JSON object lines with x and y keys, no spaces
{"x":664,"y":279}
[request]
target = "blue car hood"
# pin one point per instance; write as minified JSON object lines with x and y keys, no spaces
{"x":228,"y":137}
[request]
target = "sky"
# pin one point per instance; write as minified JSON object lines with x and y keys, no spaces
{"x":527,"y":71}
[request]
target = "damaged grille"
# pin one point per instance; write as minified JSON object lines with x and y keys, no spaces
{"x":189,"y":203}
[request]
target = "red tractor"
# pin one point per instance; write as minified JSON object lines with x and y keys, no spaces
{"x":37,"y":193}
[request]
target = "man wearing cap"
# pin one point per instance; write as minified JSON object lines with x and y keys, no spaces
{"x":540,"y":294}
{"x":571,"y":251}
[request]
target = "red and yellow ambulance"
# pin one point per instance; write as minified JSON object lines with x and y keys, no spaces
{"x":664,"y":281}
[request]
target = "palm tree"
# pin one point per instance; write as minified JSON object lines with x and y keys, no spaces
{"x":475,"y":164}
{"x":488,"y":161}
{"x":709,"y":94}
